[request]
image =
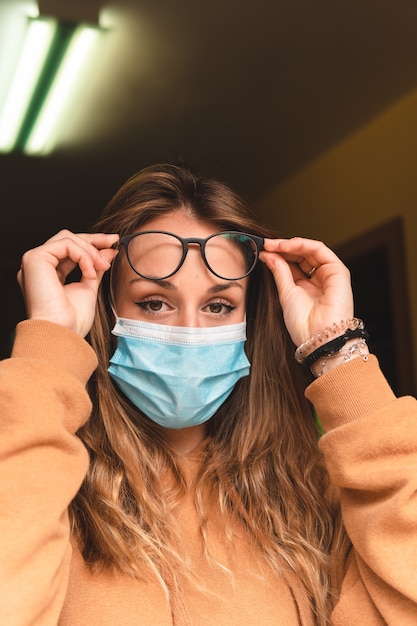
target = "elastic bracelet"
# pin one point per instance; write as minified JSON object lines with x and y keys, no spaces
{"x":335,"y":345}
{"x":323,"y":337}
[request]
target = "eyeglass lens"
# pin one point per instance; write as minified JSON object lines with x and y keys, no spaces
{"x":158,"y":255}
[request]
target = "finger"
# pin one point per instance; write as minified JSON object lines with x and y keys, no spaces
{"x":284,"y":273}
{"x":299,"y":249}
{"x":98,"y":240}
{"x":93,"y":282}
{"x":65,"y":250}
{"x":313,"y":257}
{"x":93,"y":243}
{"x":108,"y":255}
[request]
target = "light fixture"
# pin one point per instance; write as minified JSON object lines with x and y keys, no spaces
{"x":54,"y":58}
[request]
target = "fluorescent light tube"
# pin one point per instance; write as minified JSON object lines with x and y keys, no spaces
{"x":63,"y":90}
{"x":40,"y":34}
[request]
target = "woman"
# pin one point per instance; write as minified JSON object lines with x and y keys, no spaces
{"x":206,"y":500}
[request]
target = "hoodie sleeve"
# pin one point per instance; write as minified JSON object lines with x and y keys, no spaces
{"x":370,"y":448}
{"x":43,"y":401}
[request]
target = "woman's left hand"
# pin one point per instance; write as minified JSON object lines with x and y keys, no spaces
{"x":313,"y":285}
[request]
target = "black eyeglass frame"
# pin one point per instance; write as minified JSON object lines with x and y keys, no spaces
{"x":185,"y":241}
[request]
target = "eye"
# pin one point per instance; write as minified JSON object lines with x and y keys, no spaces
{"x":153,"y":306}
{"x":220,"y":308}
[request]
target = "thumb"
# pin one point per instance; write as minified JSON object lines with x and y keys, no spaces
{"x":280,"y":270}
{"x":106,"y":256}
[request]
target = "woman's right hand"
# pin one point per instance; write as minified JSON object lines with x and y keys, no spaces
{"x":44,"y":271}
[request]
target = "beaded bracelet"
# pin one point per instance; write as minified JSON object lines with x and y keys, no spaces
{"x":333,"y":347}
{"x":346,"y":355}
{"x":323,"y":337}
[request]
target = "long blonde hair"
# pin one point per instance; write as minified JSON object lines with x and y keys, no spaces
{"x":262,"y":464}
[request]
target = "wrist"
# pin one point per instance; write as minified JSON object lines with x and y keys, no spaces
{"x":352,"y":349}
{"x":349,"y":329}
{"x":333,"y":346}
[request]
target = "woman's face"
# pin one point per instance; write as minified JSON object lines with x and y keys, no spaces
{"x":192,"y":297}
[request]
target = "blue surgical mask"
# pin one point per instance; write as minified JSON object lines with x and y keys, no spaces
{"x":178,"y":376}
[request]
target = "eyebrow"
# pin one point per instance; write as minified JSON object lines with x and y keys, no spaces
{"x":224,"y":286}
{"x":165,"y":284}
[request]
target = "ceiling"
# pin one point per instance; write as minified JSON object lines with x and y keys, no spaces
{"x":251,"y":90}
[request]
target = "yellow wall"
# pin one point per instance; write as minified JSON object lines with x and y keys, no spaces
{"x":361,"y":183}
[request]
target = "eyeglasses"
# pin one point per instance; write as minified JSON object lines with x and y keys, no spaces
{"x":156,"y":254}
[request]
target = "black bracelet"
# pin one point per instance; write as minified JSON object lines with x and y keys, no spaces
{"x":333,"y":346}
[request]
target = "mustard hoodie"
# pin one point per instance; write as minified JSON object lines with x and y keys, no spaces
{"x":370,"y":448}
